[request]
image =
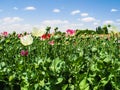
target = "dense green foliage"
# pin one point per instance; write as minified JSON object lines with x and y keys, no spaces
{"x":72,"y":63}
{"x":103,"y":30}
{"x":85,"y":32}
{"x":99,"y":30}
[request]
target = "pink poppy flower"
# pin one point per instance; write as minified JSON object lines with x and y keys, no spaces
{"x":71,"y":32}
{"x":19,"y":35}
{"x":51,"y":42}
{"x":5,"y":34}
{"x":24,"y":53}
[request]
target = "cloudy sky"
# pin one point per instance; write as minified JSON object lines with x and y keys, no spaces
{"x":23,"y":15}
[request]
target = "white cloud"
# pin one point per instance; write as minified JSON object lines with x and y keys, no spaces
{"x":88,"y":19}
{"x":72,"y":26}
{"x":15,"y":8}
{"x":118,"y":24}
{"x":11,"y":19}
{"x":108,"y":22}
{"x":30,"y":8}
{"x":95,"y":24}
{"x":55,"y":22}
{"x":75,"y":12}
{"x":63,"y":25}
{"x":114,"y":10}
{"x":10,"y":25}
{"x":19,"y":28}
{"x":79,"y":19}
{"x":84,"y":14}
{"x":56,"y":10}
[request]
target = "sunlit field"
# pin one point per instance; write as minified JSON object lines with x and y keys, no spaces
{"x":65,"y":60}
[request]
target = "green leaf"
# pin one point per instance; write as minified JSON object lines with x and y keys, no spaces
{"x":95,"y":88}
{"x":36,"y":86}
{"x":81,"y":53}
{"x":42,"y":83}
{"x":87,"y":88}
{"x":72,"y":87}
{"x":64,"y":87}
{"x":59,"y":80}
{"x":84,"y":85}
{"x":11,"y":77}
{"x":24,"y":88}
{"x":36,"y":65}
{"x":94,"y":49}
{"x":55,"y":65}
{"x":104,"y":81}
{"x":2,"y":64}
{"x":1,"y":47}
{"x":7,"y":41}
{"x":107,"y":59}
{"x":93,"y":68}
{"x":90,"y":80}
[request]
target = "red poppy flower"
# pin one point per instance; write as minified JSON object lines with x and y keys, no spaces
{"x":24,"y":53}
{"x":45,"y":36}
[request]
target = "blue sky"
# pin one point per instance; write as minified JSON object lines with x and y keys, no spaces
{"x":23,"y":15}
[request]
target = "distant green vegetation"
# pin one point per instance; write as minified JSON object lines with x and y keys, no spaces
{"x":99,"y":30}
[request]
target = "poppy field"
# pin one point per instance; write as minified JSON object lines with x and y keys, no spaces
{"x":41,"y":60}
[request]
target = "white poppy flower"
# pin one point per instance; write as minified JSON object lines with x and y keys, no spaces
{"x":26,"y":40}
{"x":37,"y":32}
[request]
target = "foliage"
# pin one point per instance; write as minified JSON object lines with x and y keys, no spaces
{"x":69,"y":63}
{"x":103,"y":30}
{"x":85,"y":31}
